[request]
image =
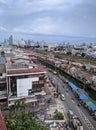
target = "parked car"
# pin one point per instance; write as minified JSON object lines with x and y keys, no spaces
{"x":79,"y":104}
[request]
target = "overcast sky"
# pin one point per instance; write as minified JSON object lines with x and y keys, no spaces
{"x":59,"y":17}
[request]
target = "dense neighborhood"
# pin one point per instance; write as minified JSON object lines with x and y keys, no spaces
{"x":24,"y":79}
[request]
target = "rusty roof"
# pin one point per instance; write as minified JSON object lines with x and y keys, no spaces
{"x":29,"y":70}
{"x":88,"y":76}
{"x":68,"y":67}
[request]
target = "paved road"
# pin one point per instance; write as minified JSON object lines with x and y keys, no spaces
{"x":71,"y":102}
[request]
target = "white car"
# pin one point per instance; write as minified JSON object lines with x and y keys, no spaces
{"x":62,"y":97}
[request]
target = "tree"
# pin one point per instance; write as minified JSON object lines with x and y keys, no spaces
{"x":69,"y":53}
{"x":16,"y":107}
{"x":59,"y":116}
{"x":83,"y":54}
{"x":22,"y":120}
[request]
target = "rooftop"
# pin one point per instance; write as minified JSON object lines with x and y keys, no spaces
{"x":88,"y":76}
{"x":28,"y":70}
{"x":17,"y":66}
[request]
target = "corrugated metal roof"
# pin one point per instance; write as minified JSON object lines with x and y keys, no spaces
{"x":75,"y":88}
{"x":83,"y":97}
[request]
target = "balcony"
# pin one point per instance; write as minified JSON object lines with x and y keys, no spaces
{"x":2,"y":80}
{"x":32,"y":96}
{"x":38,"y":82}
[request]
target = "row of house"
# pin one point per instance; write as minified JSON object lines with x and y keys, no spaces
{"x":88,"y":50}
{"x":74,"y":69}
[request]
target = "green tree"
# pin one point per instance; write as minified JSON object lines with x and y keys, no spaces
{"x":59,"y":116}
{"x":16,"y":107}
{"x":83,"y":54}
{"x":22,"y":121}
{"x":69,"y":53}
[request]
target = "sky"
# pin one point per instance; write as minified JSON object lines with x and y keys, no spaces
{"x":48,"y":17}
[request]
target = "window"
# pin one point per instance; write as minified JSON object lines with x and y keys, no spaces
{"x":29,"y":91}
{"x":0,"y":74}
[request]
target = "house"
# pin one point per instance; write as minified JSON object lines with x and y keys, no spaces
{"x":93,"y":82}
{"x":74,"y":71}
{"x":87,"y":78}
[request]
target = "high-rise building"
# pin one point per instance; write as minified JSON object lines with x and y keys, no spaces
{"x":11,"y":40}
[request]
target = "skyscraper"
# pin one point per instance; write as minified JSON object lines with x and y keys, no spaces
{"x":11,"y":40}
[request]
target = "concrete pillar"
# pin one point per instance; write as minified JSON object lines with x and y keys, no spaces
{"x":9,"y":86}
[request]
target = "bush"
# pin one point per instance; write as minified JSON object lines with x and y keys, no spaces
{"x":59,"y":116}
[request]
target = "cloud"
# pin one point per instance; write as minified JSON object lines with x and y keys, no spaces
{"x":3,"y":29}
{"x":40,"y":25}
{"x":68,"y":17}
{"x":32,"y":6}
{"x":3,"y":1}
{"x":25,"y":6}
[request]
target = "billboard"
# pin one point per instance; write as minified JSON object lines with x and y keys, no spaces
{"x":23,"y":85}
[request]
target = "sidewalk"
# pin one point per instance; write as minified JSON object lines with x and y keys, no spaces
{"x":58,"y":106}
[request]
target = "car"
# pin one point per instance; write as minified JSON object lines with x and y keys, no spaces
{"x":62,"y":97}
{"x":70,"y":114}
{"x":68,"y":127}
{"x":79,"y":104}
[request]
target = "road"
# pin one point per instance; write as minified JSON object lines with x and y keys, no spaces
{"x":71,"y":102}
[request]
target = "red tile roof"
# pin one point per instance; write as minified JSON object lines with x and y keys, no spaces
{"x":29,"y":70}
{"x":74,"y":69}
{"x":88,"y":76}
{"x":32,"y":58}
{"x":68,"y":67}
{"x":2,"y":123}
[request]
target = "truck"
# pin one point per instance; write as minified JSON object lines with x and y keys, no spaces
{"x":76,"y":123}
